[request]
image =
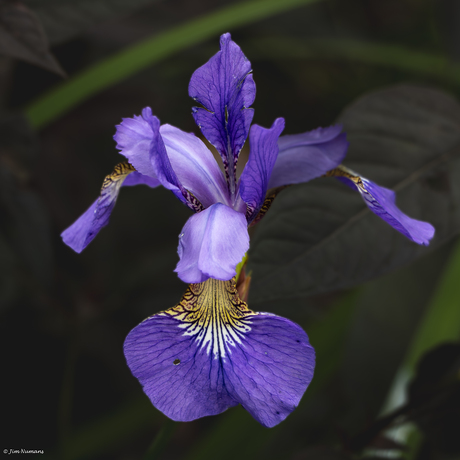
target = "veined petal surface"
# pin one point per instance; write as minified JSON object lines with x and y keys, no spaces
{"x":211,"y":244}
{"x":225,"y":88}
{"x":211,"y":352}
{"x":87,"y":226}
{"x":381,"y":201}
{"x":303,"y":157}
{"x":256,"y":174}
{"x":195,"y":166}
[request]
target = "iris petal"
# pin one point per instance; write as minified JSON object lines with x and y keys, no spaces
{"x":211,"y":352}
{"x":225,"y":88}
{"x":303,"y":157}
{"x":87,"y":226}
{"x":211,"y":244}
{"x":195,"y":166}
{"x":381,"y":201}
{"x":133,"y":138}
{"x":262,"y":157}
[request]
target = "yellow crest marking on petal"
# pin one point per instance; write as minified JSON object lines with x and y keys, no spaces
{"x":118,"y":175}
{"x":272,"y":194}
{"x":343,"y":171}
{"x":213,"y":312}
{"x":112,"y":182}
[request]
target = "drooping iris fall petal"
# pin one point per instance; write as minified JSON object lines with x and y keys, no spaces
{"x":211,"y":352}
{"x":382,"y":202}
{"x":88,"y":225}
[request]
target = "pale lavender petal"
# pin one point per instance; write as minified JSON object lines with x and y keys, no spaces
{"x":225,"y":88}
{"x":211,"y":244}
{"x":133,"y":138}
{"x":381,"y":201}
{"x":195,"y":166}
{"x":211,"y":352}
{"x":165,"y":172}
{"x":256,"y":174}
{"x":136,"y":178}
{"x":303,"y":157}
{"x":313,"y":137}
{"x":87,"y":226}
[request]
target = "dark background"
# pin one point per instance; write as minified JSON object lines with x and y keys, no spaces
{"x":63,"y":317}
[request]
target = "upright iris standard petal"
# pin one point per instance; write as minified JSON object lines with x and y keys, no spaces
{"x":211,"y":352}
{"x":254,"y":179}
{"x":133,"y":138}
{"x":87,"y":226}
{"x":225,"y":88}
{"x":211,"y":244}
{"x":381,"y":201}
{"x":302,"y":157}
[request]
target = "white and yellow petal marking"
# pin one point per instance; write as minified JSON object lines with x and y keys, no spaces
{"x":343,"y":171}
{"x":213,"y":313}
{"x":113,"y":181}
{"x":210,"y":352}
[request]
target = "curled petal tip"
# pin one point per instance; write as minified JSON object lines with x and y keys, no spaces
{"x":133,"y":138}
{"x":381,"y":201}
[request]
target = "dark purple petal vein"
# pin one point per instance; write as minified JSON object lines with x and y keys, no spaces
{"x":225,"y":88}
{"x":211,"y":352}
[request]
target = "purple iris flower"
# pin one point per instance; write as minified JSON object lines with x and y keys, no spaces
{"x":211,"y":352}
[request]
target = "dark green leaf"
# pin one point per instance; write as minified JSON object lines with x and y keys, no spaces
{"x":320,"y":236}
{"x":22,"y":37}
